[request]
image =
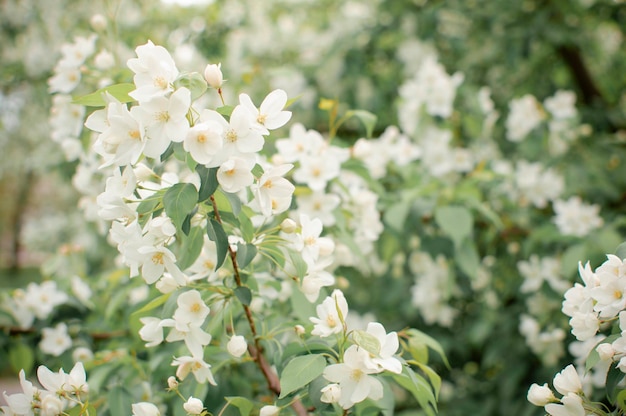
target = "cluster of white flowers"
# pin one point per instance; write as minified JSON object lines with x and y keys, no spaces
{"x":569,"y":384}
{"x":433,"y":288}
{"x":546,"y":344}
{"x":59,"y":392}
{"x":525,"y":114}
{"x":530,"y":183}
{"x":36,"y":301}
{"x":592,"y":305}
{"x":576,"y":218}
{"x":352,"y":380}
{"x":431,"y":89}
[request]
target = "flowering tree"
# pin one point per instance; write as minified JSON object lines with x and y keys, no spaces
{"x":201,"y":215}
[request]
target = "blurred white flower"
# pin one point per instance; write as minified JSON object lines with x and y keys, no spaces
{"x":55,"y":341}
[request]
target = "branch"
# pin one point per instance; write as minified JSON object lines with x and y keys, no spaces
{"x":256,"y":350}
{"x":573,"y":59}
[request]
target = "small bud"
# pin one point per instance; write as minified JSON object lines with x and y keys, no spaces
{"x":193,"y":406}
{"x":237,"y":346}
{"x":299,"y":330}
{"x":172,"y":383}
{"x":98,"y":22}
{"x":605,"y":351}
{"x":288,"y":226}
{"x":213,"y":75}
{"x":540,"y":395}
{"x":331,"y":393}
{"x":269,"y":410}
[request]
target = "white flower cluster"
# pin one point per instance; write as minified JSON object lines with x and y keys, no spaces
{"x":569,"y":384}
{"x":352,"y":380}
{"x":600,"y":300}
{"x":433,"y":288}
{"x":527,"y":114}
{"x":36,"y":301}
{"x":60,"y":392}
{"x":431,"y":89}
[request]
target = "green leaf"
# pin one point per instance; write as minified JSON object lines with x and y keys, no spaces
{"x":620,"y":251}
{"x":208,"y":182}
{"x":225,"y":110}
{"x":571,"y":257}
{"x":620,"y":400}
{"x":191,"y":247}
{"x":234,"y":201}
{"x":366,"y":341}
{"x":194,"y":82}
{"x":84,"y":410}
{"x":244,"y":294}
{"x":244,"y":405}
{"x":245,"y":225}
{"x":395,"y":216}
{"x":179,"y":201}
{"x":216,"y":233}
{"x":301,"y":371}
{"x":455,"y":221}
{"x":21,"y":357}
{"x":368,"y":119}
{"x":298,"y":263}
{"x":153,"y":304}
{"x":245,"y":254}
{"x":419,"y":387}
{"x":433,"y":377}
{"x":120,"y":401}
{"x":96,"y":99}
{"x":417,"y":337}
{"x":466,"y":256}
{"x":146,"y":208}
{"x":257,"y":171}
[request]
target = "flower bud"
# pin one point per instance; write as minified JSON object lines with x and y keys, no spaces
{"x":288,"y":226}
{"x":237,"y":346}
{"x":269,"y":410}
{"x":98,"y":22}
{"x":605,"y":351}
{"x":540,"y":395}
{"x":213,"y":75}
{"x":331,"y":393}
{"x":193,"y":406}
{"x":172,"y":383}
{"x":299,"y":330}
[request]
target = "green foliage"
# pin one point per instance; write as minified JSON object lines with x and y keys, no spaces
{"x":179,"y":201}
{"x":98,"y":98}
{"x":299,"y":372}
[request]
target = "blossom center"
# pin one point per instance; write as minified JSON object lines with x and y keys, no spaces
{"x":134,"y":134}
{"x":201,"y":138}
{"x":160,"y":82}
{"x":157,"y":258}
{"x":330,"y":320}
{"x":163,"y":116}
{"x":261,"y":118}
{"x":231,"y":136}
{"x":195,"y":308}
{"x":356,"y":374}
{"x":617,"y":294}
